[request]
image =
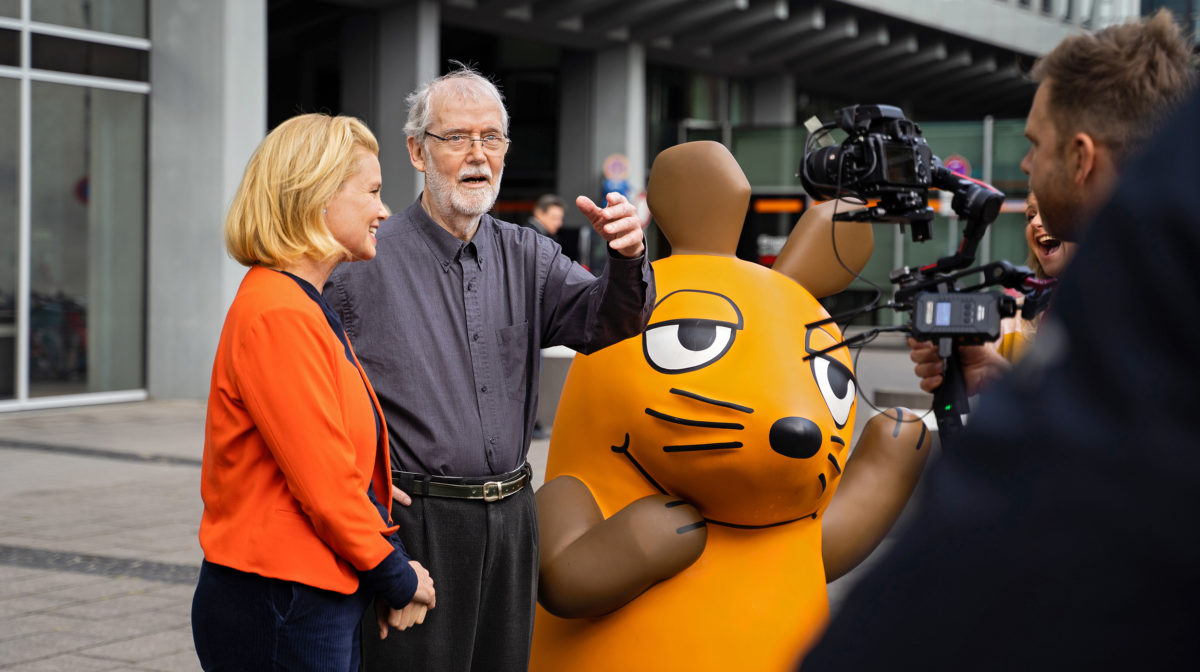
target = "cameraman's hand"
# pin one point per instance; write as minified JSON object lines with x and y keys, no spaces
{"x":981,"y":364}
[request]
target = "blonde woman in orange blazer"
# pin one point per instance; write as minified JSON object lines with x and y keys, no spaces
{"x":296,"y":479}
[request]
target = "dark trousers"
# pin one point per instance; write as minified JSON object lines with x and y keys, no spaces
{"x":483,"y":557}
{"x":243,"y":621}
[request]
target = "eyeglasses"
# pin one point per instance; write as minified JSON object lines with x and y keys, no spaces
{"x":459,"y":142}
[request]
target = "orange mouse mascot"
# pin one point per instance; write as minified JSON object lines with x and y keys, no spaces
{"x":688,"y":520}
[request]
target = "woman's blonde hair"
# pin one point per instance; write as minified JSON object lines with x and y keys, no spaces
{"x":276,"y":216}
{"x":1031,"y":209}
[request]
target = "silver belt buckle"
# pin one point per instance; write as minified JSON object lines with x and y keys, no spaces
{"x":491,"y":491}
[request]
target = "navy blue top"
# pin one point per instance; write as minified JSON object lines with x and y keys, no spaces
{"x":394,"y":578}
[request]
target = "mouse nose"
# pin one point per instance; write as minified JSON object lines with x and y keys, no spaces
{"x":795,"y":437}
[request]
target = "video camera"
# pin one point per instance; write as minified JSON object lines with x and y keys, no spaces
{"x":886,"y":163}
{"x":884,"y":157}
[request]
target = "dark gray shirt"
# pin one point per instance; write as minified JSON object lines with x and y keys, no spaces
{"x":450,"y":333}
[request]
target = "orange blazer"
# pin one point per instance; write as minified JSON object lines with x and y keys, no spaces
{"x":290,"y":445}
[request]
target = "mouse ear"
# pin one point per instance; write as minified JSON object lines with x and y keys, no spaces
{"x":809,"y":256}
{"x":699,"y":196}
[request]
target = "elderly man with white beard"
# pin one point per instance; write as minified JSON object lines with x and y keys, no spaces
{"x":448,"y":322}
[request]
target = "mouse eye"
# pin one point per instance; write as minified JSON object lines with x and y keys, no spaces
{"x":686,"y":345}
{"x":837,"y":387}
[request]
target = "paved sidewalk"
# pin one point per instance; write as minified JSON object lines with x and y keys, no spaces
{"x":99,"y":510}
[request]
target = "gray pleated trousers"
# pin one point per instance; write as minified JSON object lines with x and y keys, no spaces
{"x":483,"y":557}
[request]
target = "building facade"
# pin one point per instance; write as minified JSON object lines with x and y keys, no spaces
{"x":125,"y":126}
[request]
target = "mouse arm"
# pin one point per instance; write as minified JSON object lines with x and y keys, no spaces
{"x":879,"y":478}
{"x":811,"y":257}
{"x":590,"y":566}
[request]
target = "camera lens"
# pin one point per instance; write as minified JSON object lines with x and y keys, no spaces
{"x":819,"y":174}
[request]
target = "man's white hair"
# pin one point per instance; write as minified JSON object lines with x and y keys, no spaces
{"x":463,"y":82}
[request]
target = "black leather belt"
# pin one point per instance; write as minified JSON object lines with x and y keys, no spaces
{"x":459,"y":488}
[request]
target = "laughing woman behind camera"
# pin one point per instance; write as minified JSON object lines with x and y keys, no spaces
{"x":296,"y":532}
{"x":1048,"y":257}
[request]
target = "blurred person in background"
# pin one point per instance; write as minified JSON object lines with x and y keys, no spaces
{"x":1048,"y":258}
{"x":547,"y":217}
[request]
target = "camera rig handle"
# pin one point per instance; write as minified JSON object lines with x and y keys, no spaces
{"x":978,"y":204}
{"x":950,"y":400}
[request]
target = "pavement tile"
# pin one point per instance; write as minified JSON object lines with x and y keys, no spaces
{"x":27,"y":538}
{"x":107,"y":629}
{"x":41,"y":582}
{"x":13,"y":574}
{"x":147,"y":647}
{"x":126,"y":625}
{"x":180,"y":662}
{"x":182,"y":592}
{"x":179,"y":594}
{"x":33,"y":624}
{"x":31,"y":604}
{"x":43,"y":645}
{"x":98,"y":531}
{"x":57,"y":543}
{"x":113,"y":587}
{"x":68,"y":663}
{"x":122,"y":606}
{"x":188,"y":556}
{"x":181,"y":609}
{"x":162,"y":544}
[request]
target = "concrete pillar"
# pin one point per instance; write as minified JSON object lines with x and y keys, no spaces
{"x":619,"y":109}
{"x":578,"y":166}
{"x":602,"y":111}
{"x":386,"y":56}
{"x":207,"y":114}
{"x":774,"y":104}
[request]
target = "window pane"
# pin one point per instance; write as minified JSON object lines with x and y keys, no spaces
{"x":88,"y":58}
{"x":124,"y":17}
{"x":88,"y":229}
{"x":769,"y":156}
{"x":10,"y":8}
{"x":10,"y":47}
{"x":9,"y":92}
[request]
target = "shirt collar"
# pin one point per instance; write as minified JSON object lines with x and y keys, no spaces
{"x":444,"y":245}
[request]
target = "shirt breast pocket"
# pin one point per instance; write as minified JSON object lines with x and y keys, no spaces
{"x":514,"y":358}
